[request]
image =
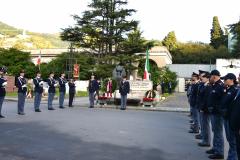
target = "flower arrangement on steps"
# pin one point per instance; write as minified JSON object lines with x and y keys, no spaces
{"x":151,"y":98}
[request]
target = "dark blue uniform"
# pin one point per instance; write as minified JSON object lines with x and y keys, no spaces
{"x":198,"y":101}
{"x":226,"y":107}
{"x":38,"y":90}
{"x":214,"y":101}
{"x":22,"y":90}
{"x":51,"y":91}
{"x":72,"y":92}
{"x":235,"y":120}
{"x":124,"y":89}
{"x":193,"y":104}
{"x":93,"y":87}
{"x":62,"y":91}
{"x":203,"y":103}
{"x":2,"y":92}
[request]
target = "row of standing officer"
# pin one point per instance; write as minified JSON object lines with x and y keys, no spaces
{"x":21,"y":84}
{"x":215,"y":102}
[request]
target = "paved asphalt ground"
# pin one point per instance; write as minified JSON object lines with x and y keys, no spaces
{"x":96,"y":134}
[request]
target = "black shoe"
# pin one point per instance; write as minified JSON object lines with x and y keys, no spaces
{"x":198,"y":136}
{"x":211,"y":151}
{"x":190,"y":121}
{"x":38,"y":110}
{"x":122,"y":108}
{"x":21,"y":113}
{"x":91,"y":107}
{"x":203,"y":145}
{"x":70,"y":106}
{"x":193,"y":131}
{"x":61,"y":107}
{"x":1,"y":116}
{"x":216,"y":156}
{"x":51,"y":109}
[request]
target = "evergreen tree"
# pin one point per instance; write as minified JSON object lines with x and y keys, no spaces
{"x":102,"y":27}
{"x":217,"y":37}
{"x":235,"y":30}
{"x":170,"y":41}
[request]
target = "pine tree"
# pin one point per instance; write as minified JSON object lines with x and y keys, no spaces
{"x":102,"y":27}
{"x":217,"y":37}
{"x":170,"y":41}
{"x":235,"y":30}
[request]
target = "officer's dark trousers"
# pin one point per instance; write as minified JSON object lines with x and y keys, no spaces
{"x":37,"y":100}
{"x":217,"y":128}
{"x":123,"y":101}
{"x":91,"y":99}
{"x":61,"y":99}
{"x":21,"y":102}
{"x":232,"y":152}
{"x":50,"y":99}
{"x":206,"y":134}
{"x":70,"y":102}
{"x":196,"y":118}
{"x":1,"y":103}
{"x":237,"y":135}
{"x":200,"y":119}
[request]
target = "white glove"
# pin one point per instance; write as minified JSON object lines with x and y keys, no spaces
{"x":55,"y":85}
{"x":41,"y":83}
{"x":4,"y":84}
{"x":24,"y":86}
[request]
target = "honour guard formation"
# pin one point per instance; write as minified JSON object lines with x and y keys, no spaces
{"x":215,"y":107}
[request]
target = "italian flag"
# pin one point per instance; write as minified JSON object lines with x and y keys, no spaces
{"x":147,"y":67}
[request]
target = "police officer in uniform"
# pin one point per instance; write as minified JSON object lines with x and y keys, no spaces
{"x":22,"y":90}
{"x":62,"y":90}
{"x":38,"y":90}
{"x":3,"y":84}
{"x":215,"y":97}
{"x":93,"y":87}
{"x":51,"y":90}
{"x":124,"y":89}
{"x":230,"y":83}
{"x":235,"y":120}
{"x":72,"y":92}
{"x":193,"y":103}
{"x":203,"y":103}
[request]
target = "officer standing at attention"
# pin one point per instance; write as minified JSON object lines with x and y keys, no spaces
{"x":3,"y":84}
{"x":193,"y":103}
{"x":203,"y":103}
{"x":93,"y":87}
{"x":51,"y":90}
{"x":230,"y":83}
{"x":124,"y":89}
{"x":62,"y":90}
{"x":72,"y":92}
{"x":215,"y":97}
{"x":38,"y":90}
{"x":235,"y":120}
{"x":22,"y":90}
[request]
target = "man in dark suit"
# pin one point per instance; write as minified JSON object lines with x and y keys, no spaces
{"x":62,"y":90}
{"x":51,"y":90}
{"x":124,"y":89}
{"x":38,"y":90}
{"x":93,"y":87}
{"x":3,"y":84}
{"x":72,"y":92}
{"x":22,"y":90}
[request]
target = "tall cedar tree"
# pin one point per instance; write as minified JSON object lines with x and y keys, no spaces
{"x":101,"y":28}
{"x":217,"y":36}
{"x":170,"y":41}
{"x":235,"y":30}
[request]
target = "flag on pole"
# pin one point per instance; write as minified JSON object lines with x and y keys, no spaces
{"x":147,"y":67}
{"x":39,"y":60}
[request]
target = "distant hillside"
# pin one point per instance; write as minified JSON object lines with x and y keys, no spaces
{"x":15,"y":37}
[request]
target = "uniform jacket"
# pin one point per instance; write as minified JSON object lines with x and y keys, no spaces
{"x":235,"y":112}
{"x":62,"y":84}
{"x":199,"y":90}
{"x":72,"y":88}
{"x":215,"y":97}
{"x":93,"y":86}
{"x":227,"y":101}
{"x":193,"y":95}
{"x":203,"y":97}
{"x":124,"y":88}
{"x":51,"y":82}
{"x":21,"y":84}
{"x":38,"y":88}
{"x":2,"y":88}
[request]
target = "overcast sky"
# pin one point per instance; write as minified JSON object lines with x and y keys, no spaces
{"x":190,"y":19}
